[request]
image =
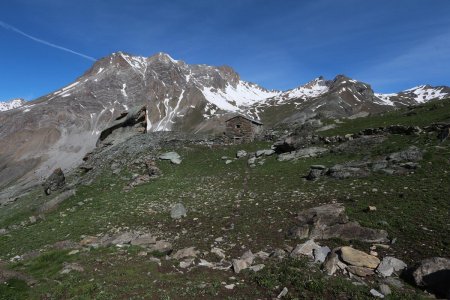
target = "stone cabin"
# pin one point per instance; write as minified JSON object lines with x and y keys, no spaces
{"x":242,"y":129}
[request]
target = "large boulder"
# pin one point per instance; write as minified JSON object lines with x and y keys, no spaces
{"x":54,"y":182}
{"x":352,"y":231}
{"x":330,"y":221}
{"x":433,"y":274}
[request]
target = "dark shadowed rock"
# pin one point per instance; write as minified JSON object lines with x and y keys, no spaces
{"x":433,"y":274}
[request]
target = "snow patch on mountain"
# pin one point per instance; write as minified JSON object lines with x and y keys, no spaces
{"x":425,"y":93}
{"x":11,"y":104}
{"x":312,"y":89}
{"x":386,"y":98}
{"x":234,"y":98}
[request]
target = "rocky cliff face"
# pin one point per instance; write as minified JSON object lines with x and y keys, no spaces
{"x":58,"y":129}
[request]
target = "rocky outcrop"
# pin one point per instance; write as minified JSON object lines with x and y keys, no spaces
{"x":127,"y":124}
{"x":330,"y":221}
{"x":54,"y":182}
{"x":395,"y":163}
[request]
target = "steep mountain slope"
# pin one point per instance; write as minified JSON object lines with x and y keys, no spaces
{"x":11,"y":104}
{"x":58,"y":129}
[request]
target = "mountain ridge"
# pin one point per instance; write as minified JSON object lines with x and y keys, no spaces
{"x":58,"y":129}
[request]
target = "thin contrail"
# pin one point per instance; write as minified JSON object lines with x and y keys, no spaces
{"x":12,"y":28}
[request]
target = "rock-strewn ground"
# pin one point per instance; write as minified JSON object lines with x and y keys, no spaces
{"x":218,"y":226}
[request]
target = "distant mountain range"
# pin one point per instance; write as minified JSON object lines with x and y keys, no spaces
{"x":56,"y":130}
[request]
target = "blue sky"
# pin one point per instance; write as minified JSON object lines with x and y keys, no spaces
{"x":279,"y":44}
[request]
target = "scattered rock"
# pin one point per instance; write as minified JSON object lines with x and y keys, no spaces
{"x":143,"y":240}
{"x":219,"y":252}
{"x":385,"y":289}
{"x":257,"y":268}
{"x":321,"y":254}
{"x":371,"y":208}
{"x":434,"y":275}
{"x":330,"y":264}
{"x":315,"y":173}
{"x":163,"y":247}
{"x":251,"y":161}
{"x":302,"y":153}
{"x":241,"y":153}
{"x":360,"y":271}
{"x":278,"y":253}
{"x":230,"y":286}
{"x":186,"y":252}
{"x":266,"y":152}
{"x":358,"y":258}
{"x":174,"y":157}
{"x":69,"y":267}
{"x":376,"y":293}
{"x":282,"y":293}
{"x":186,"y":263}
{"x":411,"y":154}
{"x":53,"y":203}
{"x":152,"y":169}
{"x":306,"y":248}
{"x":124,"y":238}
{"x":298,"y":232}
{"x":244,"y":262}
{"x":390,"y":264}
{"x":262,"y":255}
{"x":228,"y":161}
{"x":178,"y":211}
{"x":239,"y":265}
{"x":351,"y":231}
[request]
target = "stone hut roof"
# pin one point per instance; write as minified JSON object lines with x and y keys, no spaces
{"x":247,"y":118}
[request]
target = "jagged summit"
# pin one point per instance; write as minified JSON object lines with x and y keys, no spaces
{"x":178,"y":97}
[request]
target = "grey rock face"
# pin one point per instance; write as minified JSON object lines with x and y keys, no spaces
{"x":178,"y":211}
